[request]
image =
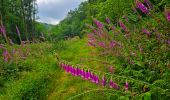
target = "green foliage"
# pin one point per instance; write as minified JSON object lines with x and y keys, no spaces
{"x":15,"y":13}
{"x":33,"y":72}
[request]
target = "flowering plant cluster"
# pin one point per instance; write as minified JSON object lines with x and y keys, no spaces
{"x":9,"y":54}
{"x":141,"y":46}
{"x":91,"y":76}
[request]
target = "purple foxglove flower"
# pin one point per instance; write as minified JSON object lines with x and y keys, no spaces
{"x":80,"y":72}
{"x":73,"y":71}
{"x":146,"y":32}
{"x":93,"y":78}
{"x":86,"y":75}
{"x":168,"y":42}
{"x":108,"y":20}
{"x":83,"y":73}
{"x":113,"y":85}
{"x":18,"y":32}
{"x":126,"y":86}
{"x":99,"y":34}
{"x":97,"y":80}
{"x":103,"y":81}
{"x":91,"y":44}
{"x":64,"y":66}
{"x":77,"y":72}
{"x":112,"y":44}
{"x":90,"y":36}
{"x":99,"y":24}
{"x":168,"y":16}
{"x":123,"y":26}
{"x":3,"y":30}
{"x":142,"y":7}
{"x":69,"y":68}
{"x":94,"y":31}
{"x":6,"y":55}
{"x":102,"y":44}
{"x":89,"y":75}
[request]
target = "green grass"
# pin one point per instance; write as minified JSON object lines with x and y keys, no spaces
{"x":39,"y":77}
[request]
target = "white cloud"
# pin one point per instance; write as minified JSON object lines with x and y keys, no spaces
{"x":53,"y":11}
{"x":49,"y":20}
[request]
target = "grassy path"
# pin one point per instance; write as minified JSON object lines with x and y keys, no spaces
{"x":44,"y":80}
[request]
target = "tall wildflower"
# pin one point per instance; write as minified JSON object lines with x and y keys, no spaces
{"x":83,"y":73}
{"x":67,"y":68}
{"x":6,"y":55}
{"x":90,"y":75}
{"x":77,"y":72}
{"x":18,"y":32}
{"x":11,"y":42}
{"x":97,"y":80}
{"x":126,"y":86}
{"x":168,"y":42}
{"x":142,"y":7}
{"x":112,"y":44}
{"x":102,"y":44}
{"x":86,"y":75}
{"x":103,"y":81}
{"x":123,"y":26}
{"x":168,"y":16}
{"x":93,"y":78}
{"x":99,"y":24}
{"x":91,"y":44}
{"x":3,"y":30}
{"x":108,"y":20}
{"x":146,"y":32}
{"x":113,"y":85}
{"x":91,"y":40}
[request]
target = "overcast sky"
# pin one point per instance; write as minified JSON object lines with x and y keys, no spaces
{"x":53,"y":11}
